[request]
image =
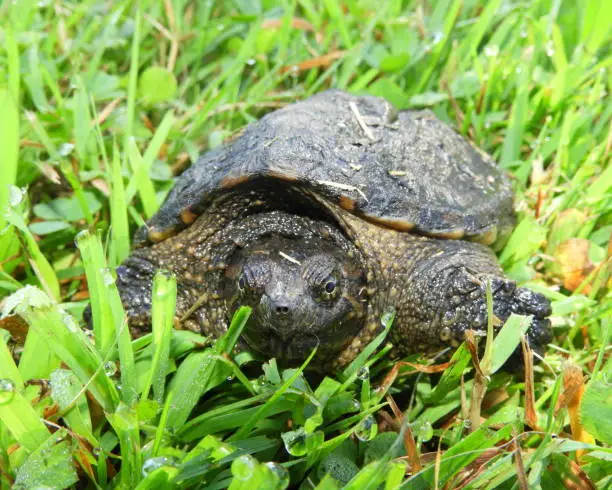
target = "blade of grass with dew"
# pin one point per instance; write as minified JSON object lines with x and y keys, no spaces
{"x":39,"y":263}
{"x":67,"y":393}
{"x":67,"y":340}
{"x":200,"y":372}
{"x":352,"y":369}
{"x":125,"y":422}
{"x":164,"y":304}
{"x":262,"y":411}
{"x":106,"y":303}
{"x":94,"y":262}
{"x":51,"y":461}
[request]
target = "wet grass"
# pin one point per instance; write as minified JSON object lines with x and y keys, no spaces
{"x":103,"y":103}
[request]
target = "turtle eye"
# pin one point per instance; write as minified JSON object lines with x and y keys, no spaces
{"x":330,"y":285}
{"x":329,"y":288}
{"x":445,"y":334}
{"x":242,"y":283}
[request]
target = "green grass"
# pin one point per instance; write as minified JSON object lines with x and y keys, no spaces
{"x":103,"y":103}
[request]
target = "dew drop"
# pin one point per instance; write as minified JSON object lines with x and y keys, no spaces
{"x":295,"y":442}
{"x":437,"y":37}
{"x":387,"y":318}
{"x":425,"y":431}
{"x":65,"y":149}
{"x":364,"y":373}
{"x":367,"y":429}
{"x":7,"y":390}
{"x":80,"y":237}
{"x":281,"y":474}
{"x":243,"y":468}
{"x":251,"y":61}
{"x":16,"y":195}
{"x":152,"y":464}
{"x":491,"y":51}
{"x":109,"y":276}
{"x":110,"y":368}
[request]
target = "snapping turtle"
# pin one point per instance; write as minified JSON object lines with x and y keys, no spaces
{"x":322,"y":216}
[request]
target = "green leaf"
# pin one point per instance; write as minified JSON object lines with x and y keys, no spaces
{"x":51,"y":462}
{"x":506,"y":342}
{"x":156,"y":85}
{"x":596,"y":406}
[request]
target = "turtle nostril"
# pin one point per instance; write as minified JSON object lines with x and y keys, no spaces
{"x":282,"y":310}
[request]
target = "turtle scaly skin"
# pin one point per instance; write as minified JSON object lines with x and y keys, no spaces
{"x":322,"y":229}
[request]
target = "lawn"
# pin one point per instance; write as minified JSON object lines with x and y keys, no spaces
{"x":103,"y":104}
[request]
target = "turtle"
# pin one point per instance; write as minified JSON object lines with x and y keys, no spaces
{"x":324,"y":217}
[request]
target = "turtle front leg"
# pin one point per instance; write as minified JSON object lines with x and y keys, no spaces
{"x":135,"y":284}
{"x":446,"y":295}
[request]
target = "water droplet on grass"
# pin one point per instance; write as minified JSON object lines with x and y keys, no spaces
{"x":491,"y":51}
{"x":367,"y":429}
{"x":425,"y":432}
{"x":110,"y":368}
{"x":387,"y":317}
{"x":65,"y":149}
{"x":109,"y":276}
{"x":80,"y":237}
{"x":295,"y":442}
{"x":243,"y":467}
{"x":152,"y":464}
{"x":281,"y":473}
{"x":16,"y":195}
{"x":364,"y":373}
{"x":7,"y":390}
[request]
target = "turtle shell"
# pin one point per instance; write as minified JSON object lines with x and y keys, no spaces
{"x":402,"y":169}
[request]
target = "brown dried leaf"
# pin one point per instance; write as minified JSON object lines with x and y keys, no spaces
{"x":16,"y":326}
{"x":296,"y":23}
{"x":394,"y":372}
{"x":322,"y":61}
{"x":102,"y":186}
{"x":80,"y":295}
{"x":49,"y":171}
{"x":571,"y":397}
{"x":412,"y":450}
{"x":531,"y":417}
{"x":572,"y":256}
{"x":107,"y":111}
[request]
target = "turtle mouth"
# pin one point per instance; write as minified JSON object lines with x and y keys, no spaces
{"x":288,"y":349}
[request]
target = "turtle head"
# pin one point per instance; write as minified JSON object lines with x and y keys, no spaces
{"x":303,"y":296}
